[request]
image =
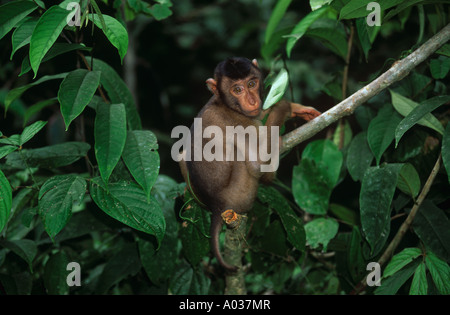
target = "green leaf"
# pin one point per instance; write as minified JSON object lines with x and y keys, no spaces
{"x":409,"y":180}
{"x":300,"y":29}
{"x":377,"y":191}
{"x":392,"y":284}
{"x":110,"y":134}
{"x":141,"y":157}
{"x":439,"y":67}
{"x":277,"y":89}
{"x":75,"y":92}
{"x":419,"y":285}
{"x":311,"y":191}
{"x":380,"y":133}
{"x":358,"y":8}
{"x":127,"y":203}
{"x":418,"y":113}
{"x":345,"y":214}
{"x":440,"y":272}
{"x":47,"y":30}
{"x":57,"y":197}
{"x":5,"y":200}
{"x":48,"y":157}
{"x":405,"y":106}
{"x":55,"y":274}
{"x":25,"y":249}
{"x":328,"y":157}
{"x":292,"y":223}
{"x":332,"y":38}
{"x":22,"y":35}
{"x":56,"y":50}
{"x":160,"y":11}
{"x":433,"y":228}
{"x":400,"y":260}
{"x":36,"y":108}
{"x":30,"y":131}
{"x":17,"y":92}
{"x":446,"y":150}
{"x":5,"y":150}
{"x":117,"y":91}
{"x":12,"y":13}
{"x":275,"y":18}
{"x":115,"y":32}
{"x":359,"y":156}
{"x":193,"y":232}
{"x":188,"y":280}
{"x":321,"y":231}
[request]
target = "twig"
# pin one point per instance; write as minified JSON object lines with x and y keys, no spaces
{"x":397,"y":72}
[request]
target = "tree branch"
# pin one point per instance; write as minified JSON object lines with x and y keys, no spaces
{"x":398,"y":71}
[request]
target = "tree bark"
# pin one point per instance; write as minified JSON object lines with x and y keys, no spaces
{"x":398,"y":71}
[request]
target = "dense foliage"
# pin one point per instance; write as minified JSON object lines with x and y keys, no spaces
{"x":86,"y":174}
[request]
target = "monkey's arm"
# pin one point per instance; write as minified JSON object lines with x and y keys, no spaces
{"x":284,"y":110}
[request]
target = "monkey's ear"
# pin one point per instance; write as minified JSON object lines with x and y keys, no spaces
{"x":255,"y":63}
{"x":212,"y":85}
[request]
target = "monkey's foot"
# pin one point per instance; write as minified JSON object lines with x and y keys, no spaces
{"x":231,"y":218}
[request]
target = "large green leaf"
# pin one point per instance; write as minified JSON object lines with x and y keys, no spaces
{"x":189,"y":280}
{"x":409,"y":180}
{"x":311,"y":191}
{"x":419,"y":285}
{"x":118,"y":91}
{"x":277,"y":89}
{"x":432,"y":226}
{"x":359,"y":156}
{"x":22,"y":34}
{"x":47,"y":30}
{"x":30,"y":131}
{"x":110,"y":134}
{"x":332,"y":38}
{"x":57,"y":196}
{"x":115,"y":32}
{"x":292,"y":223}
{"x":275,"y":18}
{"x":358,"y":8}
{"x":405,"y":106}
{"x":75,"y":92}
{"x":328,"y":157}
{"x":48,"y":157}
{"x":127,"y":203}
{"x":440,"y":272}
{"x":377,"y":190}
{"x":418,"y":113}
{"x":56,"y":50}
{"x":25,"y":249}
{"x":380,"y":133}
{"x":17,"y":92}
{"x":141,"y":157}
{"x":12,"y":13}
{"x":55,"y":274}
{"x":300,"y":29}
{"x":5,"y":200}
{"x":193,"y":231}
{"x":400,"y":260}
{"x":321,"y":231}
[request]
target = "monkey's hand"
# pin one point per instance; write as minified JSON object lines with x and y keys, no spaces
{"x":305,"y":112}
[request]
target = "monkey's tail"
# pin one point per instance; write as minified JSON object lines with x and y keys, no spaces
{"x":216,"y":227}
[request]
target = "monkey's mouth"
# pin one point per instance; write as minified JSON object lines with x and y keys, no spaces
{"x":253,"y":113}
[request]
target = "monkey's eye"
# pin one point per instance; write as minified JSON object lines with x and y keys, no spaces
{"x":237,"y":89}
{"x":251,"y":84}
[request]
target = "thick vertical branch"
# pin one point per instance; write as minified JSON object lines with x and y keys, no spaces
{"x":234,"y":241}
{"x":397,"y":72}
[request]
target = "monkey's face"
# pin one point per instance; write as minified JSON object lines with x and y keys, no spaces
{"x":247,"y":94}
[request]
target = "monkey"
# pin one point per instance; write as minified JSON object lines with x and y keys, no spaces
{"x":224,"y":185}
